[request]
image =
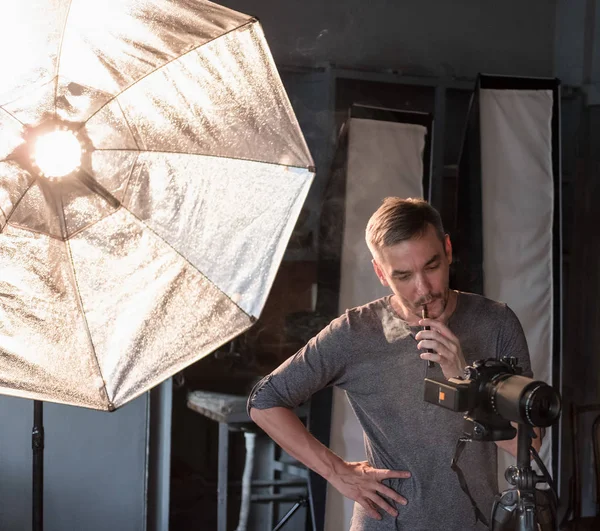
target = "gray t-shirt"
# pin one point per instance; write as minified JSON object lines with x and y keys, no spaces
{"x":372,"y":355}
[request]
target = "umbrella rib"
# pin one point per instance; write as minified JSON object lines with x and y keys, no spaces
{"x":9,"y":160}
{"x":128,"y":125}
{"x":87,"y":326}
{"x":249,"y":22}
{"x":309,"y":168}
{"x":251,"y":317}
{"x":36,"y":231}
{"x":4,"y":216}
{"x":59,"y":55}
{"x":1,"y":209}
{"x":129,"y":177}
{"x":18,"y":202}
{"x":12,"y":116}
{"x":56,"y":196}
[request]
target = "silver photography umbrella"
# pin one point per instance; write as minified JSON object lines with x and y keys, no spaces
{"x":151,"y":173}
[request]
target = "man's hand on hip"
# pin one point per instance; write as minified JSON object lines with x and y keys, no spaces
{"x":363,"y":484}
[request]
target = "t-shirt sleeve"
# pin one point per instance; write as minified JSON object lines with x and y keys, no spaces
{"x":319,"y":364}
{"x":512,"y":341}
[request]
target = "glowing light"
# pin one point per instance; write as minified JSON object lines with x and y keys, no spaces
{"x":58,"y":153}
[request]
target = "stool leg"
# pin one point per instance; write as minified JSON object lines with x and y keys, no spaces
{"x":250,"y":439}
{"x":222,"y":477}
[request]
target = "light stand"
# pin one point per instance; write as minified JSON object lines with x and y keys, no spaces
{"x":515,"y":508}
{"x":37,"y":445}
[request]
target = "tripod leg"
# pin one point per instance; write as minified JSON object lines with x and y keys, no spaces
{"x":527,"y":520}
{"x":289,"y":514}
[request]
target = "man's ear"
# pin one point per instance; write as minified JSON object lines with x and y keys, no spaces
{"x":379,"y":273}
{"x":448,"y":248}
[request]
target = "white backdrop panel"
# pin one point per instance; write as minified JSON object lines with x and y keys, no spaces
{"x":518,"y":208}
{"x":384,"y":159}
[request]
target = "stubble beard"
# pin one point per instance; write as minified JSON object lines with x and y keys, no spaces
{"x":443,"y":297}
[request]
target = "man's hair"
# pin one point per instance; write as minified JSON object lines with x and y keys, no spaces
{"x":398,"y":220}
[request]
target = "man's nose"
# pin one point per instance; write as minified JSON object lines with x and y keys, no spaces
{"x":423,"y":285}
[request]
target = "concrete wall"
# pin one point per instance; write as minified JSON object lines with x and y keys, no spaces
{"x":95,"y":467}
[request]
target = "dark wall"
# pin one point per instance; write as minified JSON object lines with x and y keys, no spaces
{"x":459,"y":38}
{"x":581,"y":362}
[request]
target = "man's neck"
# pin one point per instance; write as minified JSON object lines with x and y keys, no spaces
{"x":413,"y":320}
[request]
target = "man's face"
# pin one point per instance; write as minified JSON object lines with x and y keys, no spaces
{"x":417,"y":271}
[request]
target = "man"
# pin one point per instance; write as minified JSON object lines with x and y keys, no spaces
{"x":377,"y":353}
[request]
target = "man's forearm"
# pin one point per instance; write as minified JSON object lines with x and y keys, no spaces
{"x":286,"y":429}
{"x":357,"y":481}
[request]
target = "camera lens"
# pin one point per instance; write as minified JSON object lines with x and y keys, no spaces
{"x":541,"y":405}
{"x":523,"y":400}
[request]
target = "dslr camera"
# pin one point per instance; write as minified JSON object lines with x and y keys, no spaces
{"x":493,"y":393}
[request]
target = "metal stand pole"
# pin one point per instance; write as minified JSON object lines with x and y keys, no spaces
{"x":515,"y":509}
{"x":523,"y":445}
{"x":223,"y":476}
{"x":526,"y":482}
{"x":37,"y":444}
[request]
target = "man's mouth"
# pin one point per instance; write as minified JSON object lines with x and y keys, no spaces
{"x":427,"y":302}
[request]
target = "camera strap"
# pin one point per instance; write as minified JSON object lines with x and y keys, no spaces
{"x":460,"y":446}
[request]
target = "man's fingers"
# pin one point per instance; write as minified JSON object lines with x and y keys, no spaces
{"x":369,"y":507}
{"x":436,"y":337}
{"x":440,"y":327}
{"x":378,"y":500}
{"x":369,"y":498}
{"x":431,"y":356}
{"x":391,"y":494}
{"x":384,"y":473}
{"x":439,"y":347}
{"x":437,"y":353}
{"x":431,"y":344}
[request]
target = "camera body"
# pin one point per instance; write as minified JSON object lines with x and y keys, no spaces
{"x":493,"y":393}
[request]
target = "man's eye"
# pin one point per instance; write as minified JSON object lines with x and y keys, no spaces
{"x":402,"y":277}
{"x":432,"y":267}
